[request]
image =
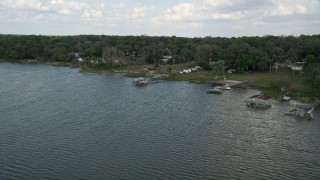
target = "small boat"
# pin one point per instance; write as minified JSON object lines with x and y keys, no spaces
{"x":227,"y":87}
{"x":140,"y":82}
{"x":285,"y":97}
{"x":216,"y":90}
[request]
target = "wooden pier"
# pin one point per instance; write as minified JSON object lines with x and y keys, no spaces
{"x":301,"y":110}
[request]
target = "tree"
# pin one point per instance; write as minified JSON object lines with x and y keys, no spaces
{"x":242,"y":63}
{"x":88,"y":52}
{"x":152,"y":55}
{"x":242,"y":53}
{"x":186,"y":55}
{"x":309,"y":59}
{"x":316,"y":81}
{"x":109,"y":54}
{"x":218,"y":68}
{"x":204,"y":55}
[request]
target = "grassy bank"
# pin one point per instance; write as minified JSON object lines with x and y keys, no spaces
{"x":299,"y":87}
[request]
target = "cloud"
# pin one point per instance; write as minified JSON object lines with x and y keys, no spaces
{"x":58,"y":6}
{"x":285,"y":9}
{"x":116,"y":15}
{"x":139,"y":12}
{"x":215,"y":3}
{"x":21,"y":4}
{"x":196,"y":15}
{"x":64,"y":8}
{"x":179,"y":12}
{"x":179,"y":16}
{"x":227,"y":16}
{"x":89,"y":13}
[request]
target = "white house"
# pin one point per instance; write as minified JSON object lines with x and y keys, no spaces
{"x":80,"y":60}
{"x":165,"y":59}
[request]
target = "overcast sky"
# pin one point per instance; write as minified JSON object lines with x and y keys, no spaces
{"x":187,"y":18}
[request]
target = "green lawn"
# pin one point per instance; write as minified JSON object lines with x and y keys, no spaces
{"x":300,"y":87}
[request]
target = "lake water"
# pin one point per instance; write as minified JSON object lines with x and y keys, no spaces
{"x":59,"y":123}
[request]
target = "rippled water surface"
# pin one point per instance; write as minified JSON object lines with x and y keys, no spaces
{"x":58,"y":123}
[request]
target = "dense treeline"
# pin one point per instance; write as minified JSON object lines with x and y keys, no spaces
{"x":242,"y":54}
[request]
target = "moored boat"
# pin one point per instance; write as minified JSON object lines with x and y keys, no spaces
{"x":285,"y":97}
{"x":227,"y":87}
{"x":216,"y":90}
{"x":140,"y":82}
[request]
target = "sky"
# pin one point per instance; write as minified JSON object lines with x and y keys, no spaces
{"x":183,"y":18}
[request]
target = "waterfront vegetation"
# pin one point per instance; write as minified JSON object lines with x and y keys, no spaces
{"x":250,"y":57}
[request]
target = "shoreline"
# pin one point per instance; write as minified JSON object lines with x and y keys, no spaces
{"x":201,"y":77}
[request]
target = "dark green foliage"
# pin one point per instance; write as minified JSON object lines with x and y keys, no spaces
{"x":243,"y":53}
{"x":316,"y":81}
{"x":310,"y":59}
{"x":218,"y":68}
